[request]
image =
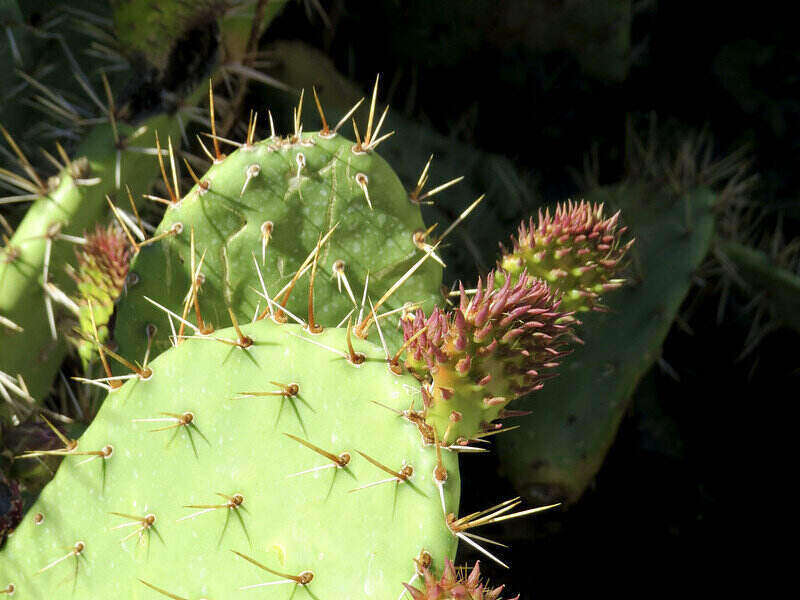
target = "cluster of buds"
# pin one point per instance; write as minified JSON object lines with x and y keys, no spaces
{"x":103,"y":263}
{"x":453,"y":586}
{"x":577,"y":250}
{"x":498,"y":344}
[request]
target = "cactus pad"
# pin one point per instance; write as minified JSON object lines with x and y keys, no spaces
{"x":73,"y":204}
{"x":199,"y":480}
{"x":272,"y":201}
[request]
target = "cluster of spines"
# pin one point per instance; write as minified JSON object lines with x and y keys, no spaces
{"x":453,"y":585}
{"x":497,"y":345}
{"x":577,"y":249}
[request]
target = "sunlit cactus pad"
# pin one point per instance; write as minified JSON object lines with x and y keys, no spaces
{"x":357,"y":544}
{"x":270,"y":202}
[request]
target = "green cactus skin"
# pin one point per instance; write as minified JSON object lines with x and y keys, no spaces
{"x":304,"y":187}
{"x":31,"y":351}
{"x":70,"y":208}
{"x":576,"y":416}
{"x":472,"y":244}
{"x":358,"y":544}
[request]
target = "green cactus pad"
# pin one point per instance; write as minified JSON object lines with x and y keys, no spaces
{"x":303,"y":187}
{"x":358,"y":544}
{"x":32,"y":351}
{"x":576,"y":416}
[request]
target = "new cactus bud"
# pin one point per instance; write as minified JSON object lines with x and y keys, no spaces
{"x":454,"y":586}
{"x":577,"y":250}
{"x":560,"y":450}
{"x":497,"y":345}
{"x":103,"y":263}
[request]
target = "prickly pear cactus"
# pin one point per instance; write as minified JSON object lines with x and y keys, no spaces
{"x":310,"y":438}
{"x":261,"y":467}
{"x":271,"y":202}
